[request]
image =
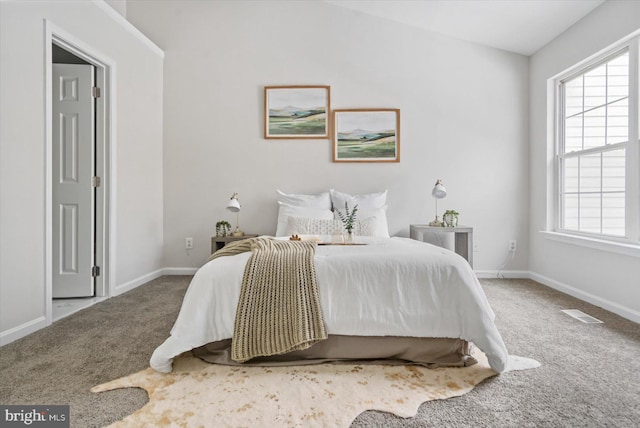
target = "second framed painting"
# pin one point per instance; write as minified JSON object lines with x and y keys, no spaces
{"x":296,"y":111}
{"x":366,"y":135}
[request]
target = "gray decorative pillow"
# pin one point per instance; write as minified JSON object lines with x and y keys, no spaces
{"x":314,"y":226}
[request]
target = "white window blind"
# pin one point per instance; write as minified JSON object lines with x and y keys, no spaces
{"x":594,"y":136}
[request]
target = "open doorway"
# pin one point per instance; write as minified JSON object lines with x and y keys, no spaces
{"x":78,"y":188}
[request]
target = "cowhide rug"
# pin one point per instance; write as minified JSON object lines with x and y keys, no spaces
{"x":197,"y":393}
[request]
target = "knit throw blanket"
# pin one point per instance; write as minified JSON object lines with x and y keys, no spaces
{"x":279,"y":307}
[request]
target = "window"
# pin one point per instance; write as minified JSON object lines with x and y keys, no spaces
{"x":597,"y":148}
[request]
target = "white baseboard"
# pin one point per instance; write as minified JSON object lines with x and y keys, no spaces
{"x":616,"y":308}
{"x":123,"y":288}
{"x":179,"y":271}
{"x":22,"y":330}
{"x":128,"y":286}
{"x":489,"y":274}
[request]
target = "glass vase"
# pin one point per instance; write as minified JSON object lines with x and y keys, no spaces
{"x":350,"y":237}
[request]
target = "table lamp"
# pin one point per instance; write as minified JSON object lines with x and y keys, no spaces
{"x":234,"y":207}
{"x":438,"y":192}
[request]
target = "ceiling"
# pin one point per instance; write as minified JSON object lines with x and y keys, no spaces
{"x":520,"y":26}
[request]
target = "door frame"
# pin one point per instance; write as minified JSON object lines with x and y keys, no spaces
{"x":105,"y":167}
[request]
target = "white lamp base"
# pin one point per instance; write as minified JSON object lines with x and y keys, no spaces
{"x":237,"y":232}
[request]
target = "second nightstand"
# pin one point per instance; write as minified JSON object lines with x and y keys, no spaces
{"x":217,"y":242}
{"x":462,"y":236}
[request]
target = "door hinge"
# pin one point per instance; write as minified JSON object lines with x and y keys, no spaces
{"x":95,"y":92}
{"x":95,"y":181}
{"x":95,"y":271}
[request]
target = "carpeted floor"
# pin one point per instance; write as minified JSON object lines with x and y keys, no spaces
{"x":590,"y":374}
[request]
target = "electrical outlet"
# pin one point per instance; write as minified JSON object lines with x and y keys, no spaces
{"x":512,"y":245}
{"x":188,"y":243}
{"x":476,"y":246}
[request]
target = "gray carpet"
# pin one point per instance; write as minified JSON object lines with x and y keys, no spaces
{"x":590,"y":374}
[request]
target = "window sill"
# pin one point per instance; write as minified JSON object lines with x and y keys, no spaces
{"x":627,"y":249}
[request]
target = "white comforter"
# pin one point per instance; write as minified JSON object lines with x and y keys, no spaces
{"x":390,"y":287}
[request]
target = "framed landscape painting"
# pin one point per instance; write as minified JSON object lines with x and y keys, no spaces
{"x":296,"y":111}
{"x":366,"y":135}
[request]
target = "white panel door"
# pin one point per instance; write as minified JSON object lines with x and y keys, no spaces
{"x":73,"y":169}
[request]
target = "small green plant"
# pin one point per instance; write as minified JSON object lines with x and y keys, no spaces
{"x":450,"y":217}
{"x":223,"y":228}
{"x":349,"y":218}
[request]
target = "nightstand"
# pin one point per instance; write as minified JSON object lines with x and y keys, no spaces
{"x":460,"y":236}
{"x":217,"y":242}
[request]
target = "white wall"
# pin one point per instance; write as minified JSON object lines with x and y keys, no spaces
{"x":607,"y":279}
{"x":137,"y":151}
{"x":464,"y":111}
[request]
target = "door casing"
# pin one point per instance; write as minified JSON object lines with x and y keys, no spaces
{"x":105,"y":123}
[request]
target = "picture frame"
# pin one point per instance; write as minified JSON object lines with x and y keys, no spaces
{"x":297,"y":112}
{"x":366,"y":135}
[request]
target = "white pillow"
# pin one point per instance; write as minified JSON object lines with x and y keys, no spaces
{"x":369,"y":201}
{"x":321,"y":200}
{"x":369,"y":205}
{"x":285,"y":211}
{"x":312,"y":226}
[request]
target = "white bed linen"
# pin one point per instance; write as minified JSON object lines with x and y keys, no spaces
{"x":390,"y":287}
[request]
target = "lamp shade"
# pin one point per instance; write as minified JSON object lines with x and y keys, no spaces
{"x":439,"y":191}
{"x":234,"y":204}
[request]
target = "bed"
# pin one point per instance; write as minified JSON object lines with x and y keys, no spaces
{"x":395,"y":299}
